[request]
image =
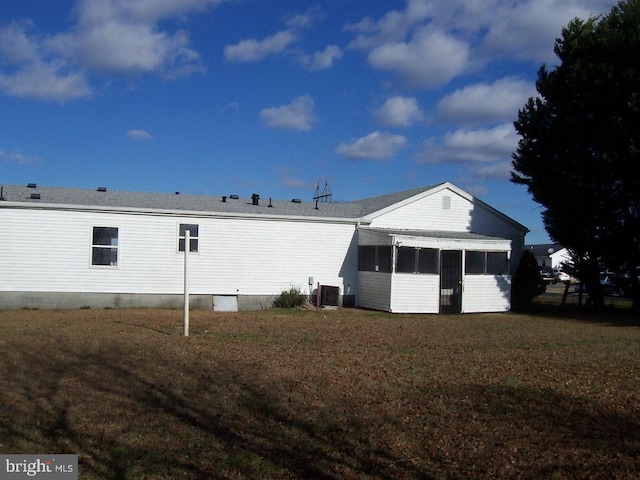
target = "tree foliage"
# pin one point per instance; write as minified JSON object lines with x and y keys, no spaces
{"x":579,"y":152}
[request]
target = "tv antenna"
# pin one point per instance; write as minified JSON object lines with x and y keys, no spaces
{"x":324,"y":196}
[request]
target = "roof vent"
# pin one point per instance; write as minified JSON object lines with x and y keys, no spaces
{"x":2,"y":199}
{"x":31,"y":185}
{"x":296,"y":200}
{"x":177,"y":193}
{"x":270,"y":205}
{"x":35,"y":196}
{"x":234,"y":197}
{"x":255,"y":199}
{"x":102,"y":189}
{"x":224,"y":199}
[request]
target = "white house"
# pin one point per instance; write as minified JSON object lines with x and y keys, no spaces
{"x":432,"y":249}
{"x":550,"y":255}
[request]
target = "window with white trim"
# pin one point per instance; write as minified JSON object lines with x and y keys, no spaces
{"x":193,"y":236}
{"x":104,"y":246}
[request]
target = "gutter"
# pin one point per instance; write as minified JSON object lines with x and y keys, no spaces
{"x":176,"y":213}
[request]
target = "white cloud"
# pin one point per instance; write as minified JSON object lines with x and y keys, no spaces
{"x":484,"y":145}
{"x":19,"y":158}
{"x":231,"y":106}
{"x":124,"y":36}
{"x":305,"y":20}
{"x":127,"y":47}
{"x":429,"y":60}
{"x":108,"y":36}
{"x":147,"y":11}
{"x":527,"y":30}
{"x":322,"y":59}
{"x":399,"y":112}
{"x":375,"y":146}
{"x":139,"y":135}
{"x":495,"y":171}
{"x":476,"y":190}
{"x":298,"y":115}
{"x":496,"y":103}
{"x":15,"y":45}
{"x":429,"y":43}
{"x":45,"y":81}
{"x":392,"y":27}
{"x":33,"y":75}
{"x":290,"y":179}
{"x":252,"y":50}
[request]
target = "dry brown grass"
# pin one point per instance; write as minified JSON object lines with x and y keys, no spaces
{"x":329,"y":395}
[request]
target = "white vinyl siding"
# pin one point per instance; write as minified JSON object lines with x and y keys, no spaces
{"x":415,"y":293}
{"x":374,"y":290}
{"x":486,"y":293}
{"x":462,"y":215}
{"x":427,"y":213}
{"x":236,"y":256}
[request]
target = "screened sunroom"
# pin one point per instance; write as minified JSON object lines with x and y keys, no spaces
{"x":432,"y":272}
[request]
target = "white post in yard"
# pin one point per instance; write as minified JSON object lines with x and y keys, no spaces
{"x":187,"y":247}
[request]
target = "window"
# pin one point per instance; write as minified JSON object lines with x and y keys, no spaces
{"x":474,"y":262}
{"x":406,"y":259}
{"x":374,"y":258}
{"x":428,"y":260}
{"x":367,"y":259}
{"x":383,"y":257}
{"x":486,"y":263}
{"x":193,"y":237}
{"x":416,"y":260}
{"x":497,"y":263}
{"x":104,"y":246}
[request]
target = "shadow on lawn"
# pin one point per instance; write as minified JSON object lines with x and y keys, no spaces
{"x":545,"y":434}
{"x":609,"y":315}
{"x":127,"y":424}
{"x":172,"y":420}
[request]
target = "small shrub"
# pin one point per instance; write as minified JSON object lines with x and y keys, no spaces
{"x":292,"y":298}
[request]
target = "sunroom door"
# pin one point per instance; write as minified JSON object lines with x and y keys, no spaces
{"x":450,"y":281}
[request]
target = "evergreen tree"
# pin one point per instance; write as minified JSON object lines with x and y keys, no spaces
{"x":579,"y":152}
{"x":527,"y":282}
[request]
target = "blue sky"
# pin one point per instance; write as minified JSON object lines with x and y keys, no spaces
{"x":273,"y":96}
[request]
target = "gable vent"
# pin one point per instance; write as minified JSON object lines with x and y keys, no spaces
{"x":446,"y":202}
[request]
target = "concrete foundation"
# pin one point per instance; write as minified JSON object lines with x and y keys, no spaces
{"x":78,"y":300}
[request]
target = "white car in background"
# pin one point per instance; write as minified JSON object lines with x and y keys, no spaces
{"x":560,"y":276}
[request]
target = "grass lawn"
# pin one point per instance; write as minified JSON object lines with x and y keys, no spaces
{"x":323,"y":395}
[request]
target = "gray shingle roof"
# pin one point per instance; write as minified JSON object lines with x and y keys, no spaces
{"x":199,"y":203}
{"x":542,"y":250}
{"x":373,"y":204}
